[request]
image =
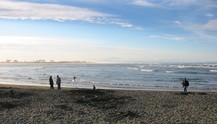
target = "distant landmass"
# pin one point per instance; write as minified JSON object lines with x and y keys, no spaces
{"x":44,"y":61}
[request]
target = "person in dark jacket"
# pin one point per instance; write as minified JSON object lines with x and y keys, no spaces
{"x":51,"y":82}
{"x":185,"y":84}
{"x":58,"y":82}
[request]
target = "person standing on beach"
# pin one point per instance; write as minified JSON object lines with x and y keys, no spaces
{"x":185,"y":84}
{"x":51,"y":82}
{"x":74,"y":78}
{"x":58,"y":82}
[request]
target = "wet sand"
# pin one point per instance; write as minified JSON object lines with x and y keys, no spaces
{"x":28,"y":104}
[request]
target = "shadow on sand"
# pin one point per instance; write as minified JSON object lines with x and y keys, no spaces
{"x":12,"y":99}
{"x":103,"y":99}
{"x":191,"y":93}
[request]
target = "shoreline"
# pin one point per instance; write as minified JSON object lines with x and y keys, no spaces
{"x":38,"y":86}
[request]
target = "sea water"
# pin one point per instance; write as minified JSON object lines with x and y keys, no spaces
{"x":202,"y":77}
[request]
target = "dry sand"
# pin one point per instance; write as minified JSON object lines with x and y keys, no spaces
{"x":23,"y":104}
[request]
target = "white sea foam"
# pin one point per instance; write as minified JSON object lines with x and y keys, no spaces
{"x":141,"y":66}
{"x":213,"y":70}
{"x":181,"y":66}
{"x":132,"y":68}
{"x":146,"y":70}
{"x":169,"y":71}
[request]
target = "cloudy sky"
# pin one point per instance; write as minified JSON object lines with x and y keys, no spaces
{"x":109,"y":30}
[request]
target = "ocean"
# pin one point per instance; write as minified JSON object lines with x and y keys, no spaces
{"x":202,"y":77}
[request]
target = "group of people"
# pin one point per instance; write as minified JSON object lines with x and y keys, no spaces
{"x":58,"y":82}
{"x":185,"y":83}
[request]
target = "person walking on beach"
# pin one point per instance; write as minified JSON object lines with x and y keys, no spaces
{"x":51,"y":82}
{"x":58,"y":82}
{"x":185,"y":84}
{"x":94,"y":87}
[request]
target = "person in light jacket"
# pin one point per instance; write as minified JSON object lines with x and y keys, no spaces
{"x":58,"y":82}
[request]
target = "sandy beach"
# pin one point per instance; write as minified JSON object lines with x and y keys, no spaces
{"x":31,"y":104}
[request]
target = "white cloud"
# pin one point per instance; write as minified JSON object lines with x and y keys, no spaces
{"x":144,"y":3}
{"x":209,"y":15}
{"x":122,"y":23}
{"x":22,"y":40}
{"x":174,"y":4}
{"x":26,"y":10}
{"x":36,"y":11}
{"x":201,"y":31}
{"x":180,"y":2}
{"x":211,"y":25}
{"x":177,"y":22}
{"x":168,"y":37}
{"x":93,"y":1}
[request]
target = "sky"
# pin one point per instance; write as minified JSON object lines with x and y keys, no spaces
{"x":109,"y":31}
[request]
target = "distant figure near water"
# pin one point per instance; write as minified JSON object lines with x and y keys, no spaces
{"x":74,"y":78}
{"x":185,"y":84}
{"x":58,"y":82}
{"x":51,"y":82}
